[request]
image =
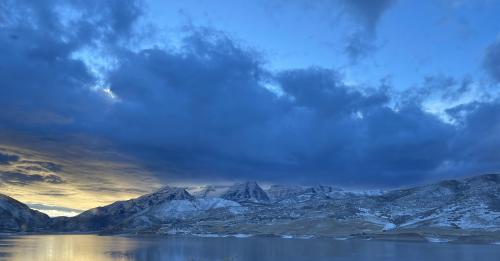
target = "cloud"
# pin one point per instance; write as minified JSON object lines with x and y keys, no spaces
{"x":228,"y":124}
{"x":476,"y":145}
{"x":22,"y":179}
{"x":204,"y":111}
{"x":6,"y":159}
{"x":42,"y":39}
{"x":359,"y":46}
{"x":55,"y":211}
{"x":361,"y":42}
{"x":491,"y":61}
{"x":43,"y":165}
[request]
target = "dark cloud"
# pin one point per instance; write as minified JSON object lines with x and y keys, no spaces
{"x":441,"y":87}
{"x":491,"y":61}
{"x":19,"y":178}
{"x":6,"y":159}
{"x":210,"y":108}
{"x":477,"y":145}
{"x":55,"y":193}
{"x":228,"y":124}
{"x":42,"y":165}
{"x":323,"y":90}
{"x":361,"y":43}
{"x":42,"y":81}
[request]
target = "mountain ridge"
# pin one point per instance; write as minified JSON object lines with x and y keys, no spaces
{"x":469,"y":205}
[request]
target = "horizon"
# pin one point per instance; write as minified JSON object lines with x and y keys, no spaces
{"x":109,"y":100}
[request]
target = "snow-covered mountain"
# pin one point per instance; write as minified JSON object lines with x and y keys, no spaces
{"x":17,"y":217}
{"x":470,"y":205}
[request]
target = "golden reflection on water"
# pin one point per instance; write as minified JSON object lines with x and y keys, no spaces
{"x":67,"y":247}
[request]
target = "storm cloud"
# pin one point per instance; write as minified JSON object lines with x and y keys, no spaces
{"x":212,"y":109}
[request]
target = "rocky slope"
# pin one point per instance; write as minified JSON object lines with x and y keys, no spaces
{"x":246,"y":192}
{"x":17,"y":217}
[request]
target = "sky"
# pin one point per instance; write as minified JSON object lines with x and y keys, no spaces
{"x":108,"y":100}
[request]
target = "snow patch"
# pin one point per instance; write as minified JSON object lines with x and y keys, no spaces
{"x":437,"y":239}
{"x":242,"y":235}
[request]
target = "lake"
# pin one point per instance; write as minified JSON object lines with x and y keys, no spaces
{"x":97,"y":248}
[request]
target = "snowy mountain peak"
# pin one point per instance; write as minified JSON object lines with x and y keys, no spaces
{"x":247,"y":191}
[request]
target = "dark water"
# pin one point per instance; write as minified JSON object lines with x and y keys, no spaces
{"x":97,"y":248}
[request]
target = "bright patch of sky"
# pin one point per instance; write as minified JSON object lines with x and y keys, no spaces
{"x":413,"y":39}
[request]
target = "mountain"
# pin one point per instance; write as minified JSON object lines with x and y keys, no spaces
{"x":208,"y":191}
{"x":106,"y":217}
{"x":458,"y":208}
{"x":472,"y":203}
{"x":248,"y":191}
{"x":17,"y":217}
{"x":166,"y":205}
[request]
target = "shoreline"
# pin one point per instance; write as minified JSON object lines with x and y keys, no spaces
{"x":479,"y":239}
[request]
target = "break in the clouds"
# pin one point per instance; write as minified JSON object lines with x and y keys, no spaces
{"x":93,"y":77}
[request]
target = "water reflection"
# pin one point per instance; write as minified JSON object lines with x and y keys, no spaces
{"x":97,"y":248}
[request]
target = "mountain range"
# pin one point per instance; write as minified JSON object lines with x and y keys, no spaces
{"x":451,"y":208}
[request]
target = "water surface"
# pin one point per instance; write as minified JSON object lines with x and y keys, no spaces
{"x":98,"y":248}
